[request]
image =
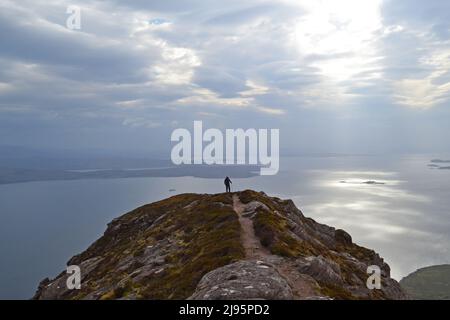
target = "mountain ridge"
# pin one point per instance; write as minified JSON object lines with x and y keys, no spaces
{"x":241,"y":245}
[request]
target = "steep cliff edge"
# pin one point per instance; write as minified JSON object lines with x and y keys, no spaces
{"x":243,"y":245}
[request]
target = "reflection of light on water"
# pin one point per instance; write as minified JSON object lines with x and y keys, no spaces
{"x":364,"y":182}
{"x":382,"y":214}
{"x":377,"y":218}
{"x":372,"y":228}
{"x":363,"y":173}
{"x":406,"y":219}
{"x":357,"y":205}
{"x":350,"y":181}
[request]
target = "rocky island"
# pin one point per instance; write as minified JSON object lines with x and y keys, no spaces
{"x":242,"y":245}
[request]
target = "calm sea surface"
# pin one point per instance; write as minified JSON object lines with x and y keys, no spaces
{"x":406,"y":217}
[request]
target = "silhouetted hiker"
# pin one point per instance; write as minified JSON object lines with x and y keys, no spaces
{"x":227,"y":182}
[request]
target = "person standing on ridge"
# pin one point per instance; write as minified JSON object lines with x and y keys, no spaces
{"x":227,"y":182}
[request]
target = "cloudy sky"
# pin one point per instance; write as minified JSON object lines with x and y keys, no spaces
{"x":345,"y":76}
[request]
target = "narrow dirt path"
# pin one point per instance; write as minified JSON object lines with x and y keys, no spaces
{"x":250,"y":242}
{"x":300,"y":284}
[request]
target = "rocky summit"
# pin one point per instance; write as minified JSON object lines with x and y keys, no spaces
{"x":242,"y":245}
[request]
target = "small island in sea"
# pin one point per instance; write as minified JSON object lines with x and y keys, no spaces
{"x":364,"y":182}
{"x":437,"y":164}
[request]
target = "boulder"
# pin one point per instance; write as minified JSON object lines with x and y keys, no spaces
{"x":243,"y":280}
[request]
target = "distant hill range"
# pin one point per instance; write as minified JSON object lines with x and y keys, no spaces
{"x":242,"y":245}
{"x":430,"y":283}
{"x":25,"y":165}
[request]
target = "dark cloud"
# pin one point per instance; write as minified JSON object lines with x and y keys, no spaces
{"x":138,"y":68}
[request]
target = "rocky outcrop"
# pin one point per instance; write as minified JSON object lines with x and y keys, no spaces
{"x":324,"y":270}
{"x":243,"y":280}
{"x":244,"y":245}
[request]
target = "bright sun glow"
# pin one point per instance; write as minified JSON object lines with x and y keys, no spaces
{"x":344,"y":30}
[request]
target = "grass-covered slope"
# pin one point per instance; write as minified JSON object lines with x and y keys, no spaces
{"x":163,"y":250}
{"x":430,"y":283}
{"x":158,"y":251}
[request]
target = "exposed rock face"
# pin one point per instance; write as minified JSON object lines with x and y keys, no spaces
{"x":343,"y":237}
{"x":244,"y":245}
{"x":324,"y":270}
{"x":243,"y":280}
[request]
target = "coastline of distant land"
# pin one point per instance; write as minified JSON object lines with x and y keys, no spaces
{"x":14,"y":175}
